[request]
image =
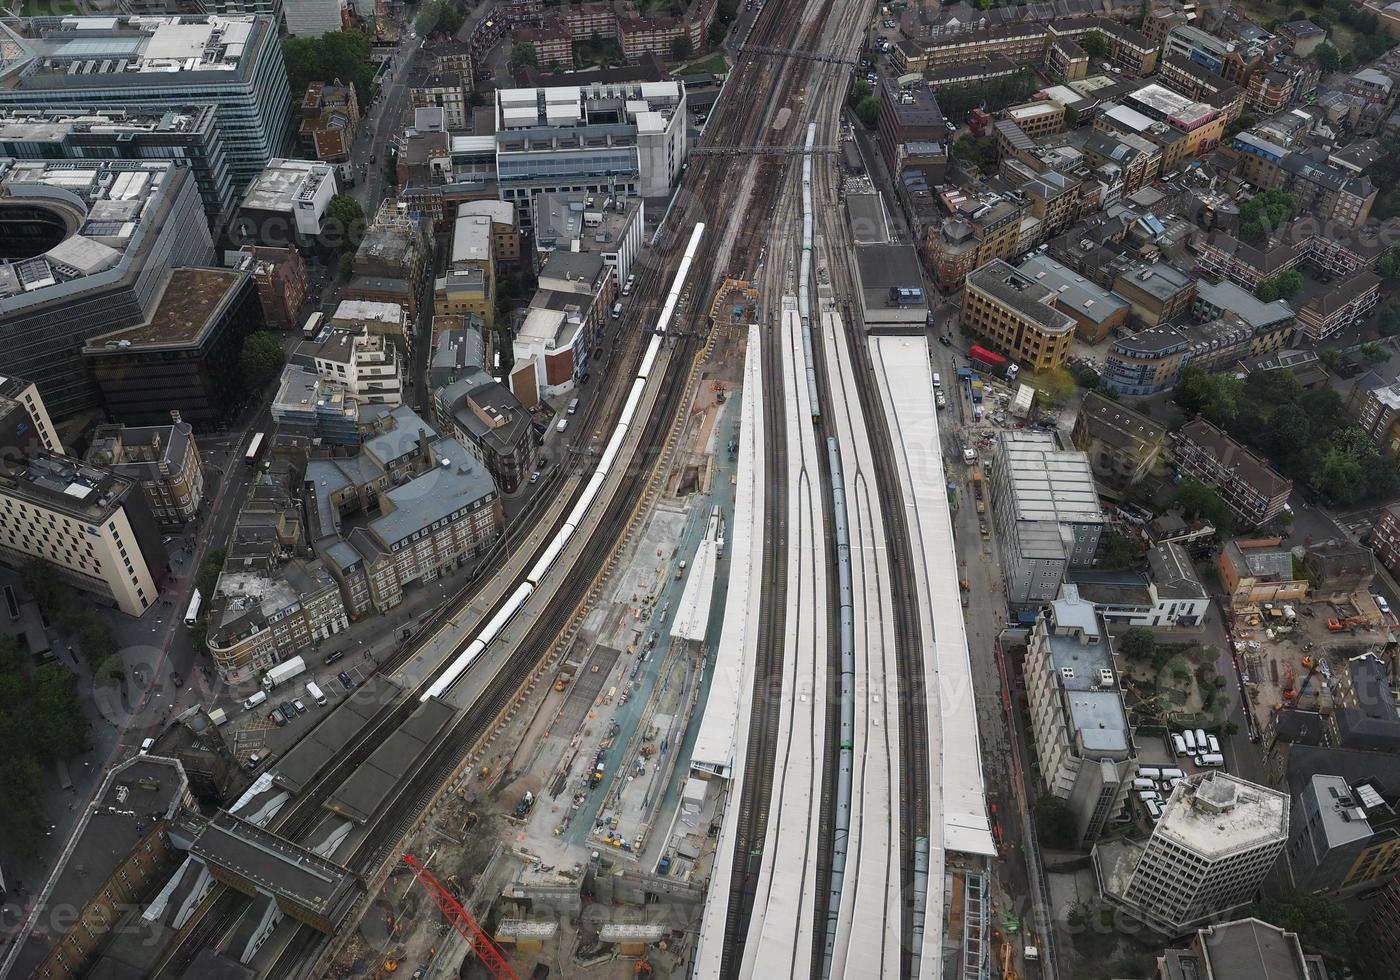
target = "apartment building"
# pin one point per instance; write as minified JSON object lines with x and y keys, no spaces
{"x":1023,"y":43}
{"x":387,"y":320}
{"x":282,"y":283}
{"x":1156,"y":291}
{"x":446,"y":91}
{"x":486,"y":417}
{"x":617,"y":137}
{"x":367,"y":364}
{"x":330,"y":117}
{"x":1371,"y":86}
{"x":188,"y":133}
{"x":1323,"y":190}
{"x":1139,"y":161}
{"x":981,"y":228}
{"x":1346,"y":302}
{"x":163,"y":460}
{"x":1385,"y":538}
{"x":1221,"y":255}
{"x":1048,"y":515}
{"x":1017,"y":315}
{"x":231,"y":63}
{"x":1067,"y":59}
{"x":1235,"y":62}
{"x":1253,"y":491}
{"x":1122,"y":445}
{"x":391,"y":260}
{"x":409,"y":508}
{"x":1216,"y":842}
{"x":317,"y":407}
{"x":1128,"y":50}
{"x":1083,"y":741}
{"x":89,"y":524}
{"x":1194,"y":81}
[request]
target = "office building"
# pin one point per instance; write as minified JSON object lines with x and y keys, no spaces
{"x":264,"y":611}
{"x":318,"y":407}
{"x":283,"y":285}
{"x":232,"y":63}
{"x":1157,"y":292}
{"x":981,"y":228}
{"x":1166,"y":596}
{"x":626,"y":138}
{"x":367,"y":364}
{"x":387,"y":320}
{"x":1097,"y":312}
{"x":1253,"y":491}
{"x":313,"y":18}
{"x":90,"y":525}
{"x":459,"y":347}
{"x":94,"y":256}
{"x":908,"y":113}
{"x":409,"y":507}
{"x":1122,"y":445}
{"x":1246,"y":949}
{"x":1343,"y":836}
{"x":330,"y":117}
{"x":611,"y":227}
{"x":120,"y":853}
{"x":1216,"y":841}
{"x":184,"y":356}
{"x":1364,"y":715}
{"x":187,"y":134}
{"x":286,"y":204}
{"x":891,"y":287}
{"x":1370,"y":85}
{"x":163,"y":459}
{"x":25,"y":426}
{"x":507,"y":250}
{"x":1083,"y":742}
{"x":486,"y":417}
{"x":1048,"y":515}
{"x":563,"y":325}
{"x":1017,"y":315}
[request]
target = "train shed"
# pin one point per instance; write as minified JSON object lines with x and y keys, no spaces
{"x":360,"y":796}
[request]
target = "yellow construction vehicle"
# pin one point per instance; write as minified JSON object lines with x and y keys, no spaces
{"x":1008,"y":970}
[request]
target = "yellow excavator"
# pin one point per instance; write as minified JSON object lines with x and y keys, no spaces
{"x":1008,"y":972}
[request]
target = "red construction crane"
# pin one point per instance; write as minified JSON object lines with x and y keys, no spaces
{"x":462,"y":921}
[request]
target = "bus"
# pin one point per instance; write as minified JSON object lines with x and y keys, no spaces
{"x":12,"y":602}
{"x":313,"y":326}
{"x":254,"y":448}
{"x":192,"y":613}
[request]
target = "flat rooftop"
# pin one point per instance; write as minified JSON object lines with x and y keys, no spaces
{"x":1048,"y":483}
{"x":1216,"y":814}
{"x":90,"y":52}
{"x":283,"y":183}
{"x":277,"y":866}
{"x":1017,"y":291}
{"x":64,"y":484}
{"x":342,"y":725}
{"x":360,"y":796}
{"x":186,"y":308}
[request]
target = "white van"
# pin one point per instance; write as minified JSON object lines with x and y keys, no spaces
{"x":1141,"y":783}
{"x":937,"y":381}
{"x":1148,"y":794}
{"x":561,"y":425}
{"x":1154,"y":810}
{"x":315,"y":693}
{"x":1172,"y":773}
{"x":1201,"y":739}
{"x":573,"y":406}
{"x":255,"y":700}
{"x":1190,"y":738}
{"x":1213,"y":744}
{"x":616,"y":310}
{"x":1149,"y":772}
{"x":1178,"y":743}
{"x":1211,"y":759}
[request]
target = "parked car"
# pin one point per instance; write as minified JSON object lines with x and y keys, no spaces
{"x":275,"y":715}
{"x":333,"y":657}
{"x":147,"y":744}
{"x":300,"y":705}
{"x":346,"y":680}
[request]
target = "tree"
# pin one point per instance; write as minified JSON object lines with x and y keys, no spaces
{"x":1055,"y":386}
{"x":1055,"y":823}
{"x":868,"y":110}
{"x":64,"y":729}
{"x":860,"y":89}
{"x":1071,"y":117}
{"x":1198,"y":500}
{"x":1388,"y":319}
{"x":1388,"y":265}
{"x":1231,"y":729}
{"x":1289,"y":282}
{"x":344,"y":224}
{"x":1328,"y":57}
{"x":681,"y":48}
{"x":340,"y":54}
{"x":981,"y":151}
{"x":1095,"y":45}
{"x":523,"y":56}
{"x":1320,"y":923}
{"x":718,"y":29}
{"x":1265,"y":213}
{"x":97,"y":642}
{"x":1138,"y":644}
{"x":1266,"y":291}
{"x":261,"y":359}
{"x":1118,"y":552}
{"x":1288,"y":432}
{"x":345,"y":266}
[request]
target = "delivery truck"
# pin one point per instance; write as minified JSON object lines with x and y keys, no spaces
{"x":284,"y":671}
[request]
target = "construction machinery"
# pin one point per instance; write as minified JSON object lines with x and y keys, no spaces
{"x":1008,"y":969}
{"x":487,"y":951}
{"x":1337,"y":625}
{"x":1290,"y":691}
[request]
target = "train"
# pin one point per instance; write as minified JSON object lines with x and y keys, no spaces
{"x":494,"y":627}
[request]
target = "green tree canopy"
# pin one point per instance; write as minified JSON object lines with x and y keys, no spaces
{"x":868,"y":109}
{"x":681,"y":48}
{"x":1328,"y":57}
{"x":344,"y":223}
{"x":1265,"y":213}
{"x":1118,"y":551}
{"x":1138,"y":644}
{"x":340,"y":55}
{"x":1095,"y":45}
{"x":1055,"y":823}
{"x":522,"y":56}
{"x":1198,"y":500}
{"x":261,"y":359}
{"x":1321,"y":924}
